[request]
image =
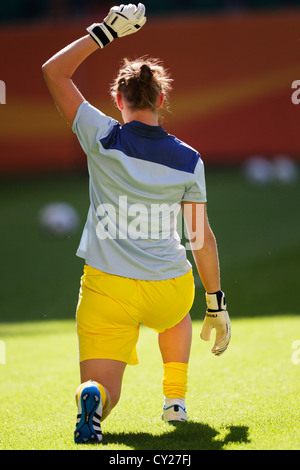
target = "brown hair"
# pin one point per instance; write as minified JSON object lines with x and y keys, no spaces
{"x":140,"y":82}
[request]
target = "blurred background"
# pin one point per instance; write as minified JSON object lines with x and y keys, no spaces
{"x":234,"y":65}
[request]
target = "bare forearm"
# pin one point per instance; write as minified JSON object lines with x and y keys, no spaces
{"x":65,"y":62}
{"x":207,"y":262}
{"x":58,"y":72}
{"x":206,"y":257}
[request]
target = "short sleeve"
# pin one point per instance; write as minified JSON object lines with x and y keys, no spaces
{"x":90,"y":125}
{"x":197,"y":191}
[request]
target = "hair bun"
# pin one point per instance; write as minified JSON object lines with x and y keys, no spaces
{"x":146,"y":74}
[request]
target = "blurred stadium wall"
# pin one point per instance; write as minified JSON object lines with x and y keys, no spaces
{"x":233,"y":76}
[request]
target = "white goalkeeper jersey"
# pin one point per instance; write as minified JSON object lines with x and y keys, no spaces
{"x":139,"y":174}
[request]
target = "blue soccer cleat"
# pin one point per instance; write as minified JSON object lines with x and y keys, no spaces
{"x":88,"y":424}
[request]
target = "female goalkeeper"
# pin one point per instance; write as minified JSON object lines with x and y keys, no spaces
{"x":136,"y":270}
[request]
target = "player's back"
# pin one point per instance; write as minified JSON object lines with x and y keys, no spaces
{"x":139,"y":174}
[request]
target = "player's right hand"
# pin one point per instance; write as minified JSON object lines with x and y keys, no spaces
{"x":217,"y":318}
{"x":120,"y":21}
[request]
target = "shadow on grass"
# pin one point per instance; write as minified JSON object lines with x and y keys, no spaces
{"x":185,"y":436}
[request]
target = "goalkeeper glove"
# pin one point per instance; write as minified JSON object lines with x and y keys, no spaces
{"x":120,"y":21}
{"x":216,"y":317}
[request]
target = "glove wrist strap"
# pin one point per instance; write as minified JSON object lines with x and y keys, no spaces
{"x":216,"y":301}
{"x":101,"y":33}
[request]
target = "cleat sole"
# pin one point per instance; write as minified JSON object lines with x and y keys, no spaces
{"x":85,"y":431}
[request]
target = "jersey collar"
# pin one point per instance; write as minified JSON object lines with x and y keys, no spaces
{"x":144,"y":130}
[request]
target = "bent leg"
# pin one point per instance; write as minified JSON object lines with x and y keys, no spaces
{"x":175,"y":346}
{"x":175,"y":343}
{"x":109,"y":374}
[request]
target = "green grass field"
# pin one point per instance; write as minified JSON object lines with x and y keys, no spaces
{"x":244,"y":400}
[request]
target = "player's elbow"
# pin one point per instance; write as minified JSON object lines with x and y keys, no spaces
{"x":46,"y":70}
{"x":49,"y":70}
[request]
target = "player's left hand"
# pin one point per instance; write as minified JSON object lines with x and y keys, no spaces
{"x":216,"y":318}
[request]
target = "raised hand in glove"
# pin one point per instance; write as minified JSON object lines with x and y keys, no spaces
{"x":120,"y":21}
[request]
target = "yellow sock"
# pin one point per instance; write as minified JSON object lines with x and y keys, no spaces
{"x":175,"y":379}
{"x":102,"y":393}
{"x":101,"y":389}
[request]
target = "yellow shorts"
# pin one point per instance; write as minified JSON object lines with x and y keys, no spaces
{"x":111,"y":308}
